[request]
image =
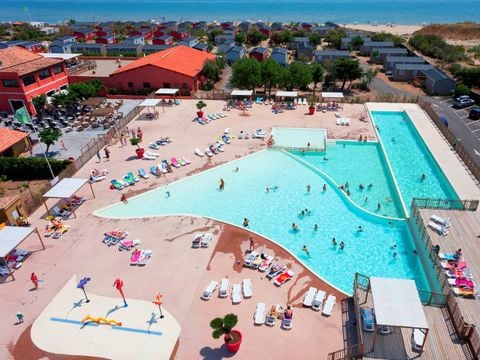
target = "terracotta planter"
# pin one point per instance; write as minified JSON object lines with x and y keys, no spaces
{"x":200,"y":114}
{"x":234,"y":346}
{"x":140,"y":153}
{"x":311,"y":110}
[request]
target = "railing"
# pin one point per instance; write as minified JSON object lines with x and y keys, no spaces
{"x":88,"y":64}
{"x":452,"y":139}
{"x":351,"y":352}
{"x":445,"y":204}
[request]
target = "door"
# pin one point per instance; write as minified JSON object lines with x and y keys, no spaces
{"x":16,"y":104}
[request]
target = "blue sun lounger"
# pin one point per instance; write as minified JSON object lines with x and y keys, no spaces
{"x":153,"y":170}
{"x":143,"y":174}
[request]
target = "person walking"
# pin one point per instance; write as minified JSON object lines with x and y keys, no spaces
{"x":107,"y":153}
{"x":98,"y":156}
{"x":20,"y":317}
{"x":252,"y":244}
{"x":63,"y":145}
{"x":34,"y":280}
{"x":122,"y":139}
{"x":139,"y":133}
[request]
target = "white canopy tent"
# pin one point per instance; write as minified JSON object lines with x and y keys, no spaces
{"x":332,"y":95}
{"x":65,"y":189}
{"x":241,"y":93}
{"x":11,"y":237}
{"x":166,"y":91}
{"x":60,"y":56}
{"x":397,"y":303}
{"x":149,"y":103}
{"x":290,"y":94}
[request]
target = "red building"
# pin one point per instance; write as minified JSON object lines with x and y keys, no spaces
{"x":259,"y":53}
{"x":158,"y":33}
{"x":146,"y":33}
{"x":25,"y":75}
{"x":163,"y":40}
{"x":179,"y":34}
{"x":179,"y":67}
{"x":83,"y":34}
{"x":107,"y":39}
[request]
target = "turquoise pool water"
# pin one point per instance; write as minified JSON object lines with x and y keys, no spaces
{"x":299,"y":138}
{"x":273,"y":213}
{"x":360,"y":164}
{"x":410,"y":158}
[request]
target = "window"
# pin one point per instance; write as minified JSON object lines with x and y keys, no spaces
{"x":10,"y":83}
{"x":28,"y":80}
{"x":130,"y":85}
{"x":44,"y":74}
{"x":51,"y":93}
{"x":167,"y":85}
{"x":146,"y":85}
{"x":57,"y":69}
{"x":63,"y":87}
{"x":185,"y":86}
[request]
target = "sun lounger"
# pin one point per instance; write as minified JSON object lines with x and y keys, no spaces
{"x":266,"y":263}
{"x":219,"y":147}
{"x":440,"y":220}
{"x":60,"y":212}
{"x":182,"y":162}
{"x":250,"y":258}
{"x":209,"y":290}
{"x":259,"y":316}
{"x":272,"y":315}
{"x":448,"y":264}
{"x":224,"y":288}
{"x":128,"y":244}
{"x":148,"y":157}
{"x":57,"y":234}
{"x":208,"y":152}
{"x":459,"y":273}
{"x":154,"y":146}
{"x":283,"y":277}
{"x":97,"y":178}
{"x":213,"y":149}
{"x":132,"y":177}
{"x":174,"y":162}
{"x":129,"y":180}
{"x":256,"y":262}
{"x":135,"y":257}
{"x":339,"y":121}
{"x":462,"y":283}
{"x":152,"y":153}
{"x":198,"y":152}
{"x":287,"y":322}
{"x":200,"y":121}
{"x":441,"y":230}
{"x":304,"y":101}
{"x":317,"y":303}
{"x":144,"y":257}
{"x":236,"y":294}
{"x":329,"y":304}
{"x":162,"y":167}
{"x":247,"y":288}
{"x":418,"y":338}
{"x":197,"y":240}
{"x":275,"y":270}
{"x":206,"y":240}
{"x":309,"y":296}
{"x":143,"y":174}
{"x":447,"y":256}
{"x":186,"y":161}
{"x":465,"y":292}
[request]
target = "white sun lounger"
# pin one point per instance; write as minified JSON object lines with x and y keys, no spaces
{"x":209,"y":290}
{"x":224,"y":287}
{"x":317,"y":303}
{"x":206,"y":240}
{"x":152,"y":153}
{"x":198,"y":152}
{"x":441,"y":230}
{"x":418,"y":338}
{"x":259,"y":316}
{"x":440,"y":220}
{"x":329,"y":304}
{"x":250,"y":258}
{"x":208,"y":152}
{"x":339,"y":121}
{"x":304,"y":101}
{"x":196,"y":243}
{"x":309,"y":295}
{"x":247,"y":288}
{"x":236,"y":294}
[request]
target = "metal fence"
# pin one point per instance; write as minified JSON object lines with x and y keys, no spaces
{"x":446,"y":204}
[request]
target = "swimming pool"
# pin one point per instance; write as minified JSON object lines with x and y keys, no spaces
{"x":410,"y":159}
{"x":272,"y":214}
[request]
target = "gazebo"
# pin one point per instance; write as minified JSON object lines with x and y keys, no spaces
{"x":11,"y":237}
{"x":397,"y":303}
{"x":65,"y":189}
{"x":241,"y":94}
{"x":331,"y":95}
{"x":286,"y":94}
{"x":167,"y":92}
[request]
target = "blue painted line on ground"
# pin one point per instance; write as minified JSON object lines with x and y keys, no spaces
{"x":122,"y":328}
{"x":76,"y":322}
{"x":149,"y":332}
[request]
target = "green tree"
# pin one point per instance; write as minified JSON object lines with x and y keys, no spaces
{"x":345,"y":70}
{"x":214,"y":33}
{"x":299,"y":75}
{"x":276,"y":38}
{"x":49,"y":136}
{"x":246,"y":74}
{"x":315,"y":38}
{"x":334,"y":37}
{"x":462,"y":89}
{"x":299,"y":33}
{"x":368,"y":77}
{"x":286,"y":36}
{"x":210,"y":71}
{"x":254,"y":37}
{"x":223,"y":326}
{"x":356,"y":42}
{"x":269,"y":71}
{"x":317,"y":75}
{"x":240,"y":38}
{"x":39,"y":103}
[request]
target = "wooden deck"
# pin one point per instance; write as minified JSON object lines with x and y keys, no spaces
{"x":463,"y":234}
{"x":442,"y":341}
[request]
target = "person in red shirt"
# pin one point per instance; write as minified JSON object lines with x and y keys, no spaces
{"x":34,"y":279}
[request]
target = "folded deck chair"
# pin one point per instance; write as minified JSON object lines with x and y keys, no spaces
{"x":206,"y":240}
{"x":259,"y":316}
{"x":209,"y":290}
{"x":224,"y":287}
{"x":440,"y":229}
{"x":440,"y":220}
{"x":309,"y":296}
{"x":247,"y":288}
{"x":143,"y":174}
{"x":198,"y":152}
{"x":236,"y":294}
{"x":329,"y":304}
{"x":250,"y":258}
{"x":317,"y":303}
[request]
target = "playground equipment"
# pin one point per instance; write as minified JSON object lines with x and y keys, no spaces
{"x":101,"y":320}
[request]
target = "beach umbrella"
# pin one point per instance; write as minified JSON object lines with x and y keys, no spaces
{"x":118,"y":283}
{"x":81,"y":285}
{"x":158,"y":301}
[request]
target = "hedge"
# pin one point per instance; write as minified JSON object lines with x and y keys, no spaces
{"x":30,"y":168}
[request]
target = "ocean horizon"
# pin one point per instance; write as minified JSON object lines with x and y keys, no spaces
{"x":404,"y":12}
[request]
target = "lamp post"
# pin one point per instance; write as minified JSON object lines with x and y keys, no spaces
{"x":158,"y":301}
{"x":81,"y":285}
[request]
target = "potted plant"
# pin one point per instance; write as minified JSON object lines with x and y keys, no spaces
{"x":140,"y":151}
{"x":200,"y":105}
{"x":224,"y":326}
{"x":311,"y":105}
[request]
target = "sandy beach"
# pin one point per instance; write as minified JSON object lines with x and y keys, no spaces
{"x":396,"y":29}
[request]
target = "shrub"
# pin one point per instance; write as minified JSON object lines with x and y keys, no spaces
{"x":433,"y":45}
{"x":30,"y":168}
{"x":462,"y":89}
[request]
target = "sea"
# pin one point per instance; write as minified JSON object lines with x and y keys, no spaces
{"x":405,"y":12}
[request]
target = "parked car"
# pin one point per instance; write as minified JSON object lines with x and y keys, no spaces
{"x":474,"y":114}
{"x":463,"y":102}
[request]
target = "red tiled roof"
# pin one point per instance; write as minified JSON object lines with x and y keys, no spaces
{"x":9,"y":138}
{"x":19,"y":60}
{"x":180,"y":59}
